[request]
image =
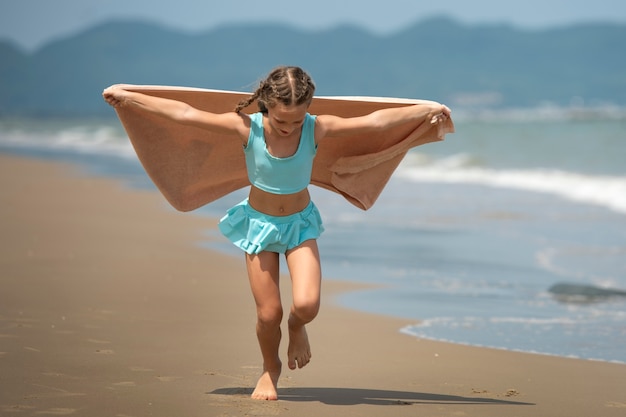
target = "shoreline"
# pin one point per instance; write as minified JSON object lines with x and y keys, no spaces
{"x":110,"y":307}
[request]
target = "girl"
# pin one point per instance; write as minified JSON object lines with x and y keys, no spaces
{"x":279,"y":143}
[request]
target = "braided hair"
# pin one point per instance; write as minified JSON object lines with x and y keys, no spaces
{"x":286,"y":85}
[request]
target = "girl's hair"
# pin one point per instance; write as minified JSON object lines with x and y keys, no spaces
{"x":286,"y":85}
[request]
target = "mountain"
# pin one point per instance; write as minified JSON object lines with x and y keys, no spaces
{"x":439,"y":59}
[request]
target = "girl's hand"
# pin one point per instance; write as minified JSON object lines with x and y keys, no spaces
{"x":441,"y":114}
{"x":115,"y":95}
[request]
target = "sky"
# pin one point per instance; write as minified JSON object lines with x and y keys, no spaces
{"x":32,"y":23}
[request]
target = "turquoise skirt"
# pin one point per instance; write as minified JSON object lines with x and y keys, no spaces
{"x":255,"y":232}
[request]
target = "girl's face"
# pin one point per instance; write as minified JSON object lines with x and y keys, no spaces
{"x":286,"y":120}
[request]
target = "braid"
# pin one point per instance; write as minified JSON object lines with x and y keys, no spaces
{"x":286,"y":85}
{"x":246,"y":102}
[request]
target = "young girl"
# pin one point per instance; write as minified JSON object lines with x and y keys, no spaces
{"x":279,"y":143}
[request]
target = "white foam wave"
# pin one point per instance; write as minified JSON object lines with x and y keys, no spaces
{"x":414,"y":332}
{"x":602,"y":266}
{"x":100,"y":139}
{"x":474,"y":322}
{"x":602,"y":190}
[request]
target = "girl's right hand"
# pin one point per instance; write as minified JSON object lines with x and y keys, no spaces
{"x":115,"y":95}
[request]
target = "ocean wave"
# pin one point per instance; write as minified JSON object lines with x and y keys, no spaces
{"x":577,"y":111}
{"x":602,"y":265}
{"x":474,"y":322}
{"x":87,"y":139}
{"x":567,"y":336}
{"x":462,"y":168}
{"x":603,"y":190}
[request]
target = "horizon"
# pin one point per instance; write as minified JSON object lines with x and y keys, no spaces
{"x":65,"y":18}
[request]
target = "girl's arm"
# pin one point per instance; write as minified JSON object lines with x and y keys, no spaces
{"x":332,"y":126}
{"x":178,"y":111}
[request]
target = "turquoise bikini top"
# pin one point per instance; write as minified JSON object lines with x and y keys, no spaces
{"x":280,"y":175}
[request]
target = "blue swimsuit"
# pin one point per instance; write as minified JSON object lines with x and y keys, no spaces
{"x":254,"y":231}
{"x":280,"y":175}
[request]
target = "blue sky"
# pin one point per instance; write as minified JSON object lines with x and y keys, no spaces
{"x":31,"y":23}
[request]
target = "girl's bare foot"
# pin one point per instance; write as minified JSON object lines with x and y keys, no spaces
{"x":299,"y":350}
{"x":266,"y":387}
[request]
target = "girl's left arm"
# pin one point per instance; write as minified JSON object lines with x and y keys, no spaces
{"x":333,"y":126}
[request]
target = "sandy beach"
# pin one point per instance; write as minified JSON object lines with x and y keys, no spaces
{"x":109,"y":307}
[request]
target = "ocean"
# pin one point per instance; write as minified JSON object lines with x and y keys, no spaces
{"x":509,"y":234}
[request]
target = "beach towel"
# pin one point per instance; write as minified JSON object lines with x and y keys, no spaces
{"x":192,"y":167}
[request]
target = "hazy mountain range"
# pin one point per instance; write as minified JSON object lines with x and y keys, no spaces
{"x":480,"y":65}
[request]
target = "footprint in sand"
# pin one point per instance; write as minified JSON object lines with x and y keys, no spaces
{"x":479,"y":391}
{"x":15,"y":408}
{"x":512,"y":393}
{"x":125,"y":384}
{"x":99,"y":342}
{"x":23,"y":323}
{"x":57,"y":412}
{"x":31,"y":349}
{"x":168,"y":378}
{"x":105,"y":351}
{"x":140,"y":369}
{"x":62,"y":376}
{"x":53,"y":392}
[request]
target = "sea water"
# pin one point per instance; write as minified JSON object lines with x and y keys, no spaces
{"x":469,"y":235}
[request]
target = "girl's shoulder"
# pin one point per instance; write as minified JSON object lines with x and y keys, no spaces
{"x":256,"y":118}
{"x":256,"y":128}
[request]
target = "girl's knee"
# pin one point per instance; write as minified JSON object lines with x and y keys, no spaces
{"x":270,"y":317}
{"x":306,"y":310}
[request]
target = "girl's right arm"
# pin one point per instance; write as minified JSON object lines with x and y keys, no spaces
{"x":178,"y":111}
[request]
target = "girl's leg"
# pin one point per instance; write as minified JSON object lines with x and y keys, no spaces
{"x":263,"y":272}
{"x":306,"y":277}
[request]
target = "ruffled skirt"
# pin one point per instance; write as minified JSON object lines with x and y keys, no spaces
{"x":255,"y":232}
